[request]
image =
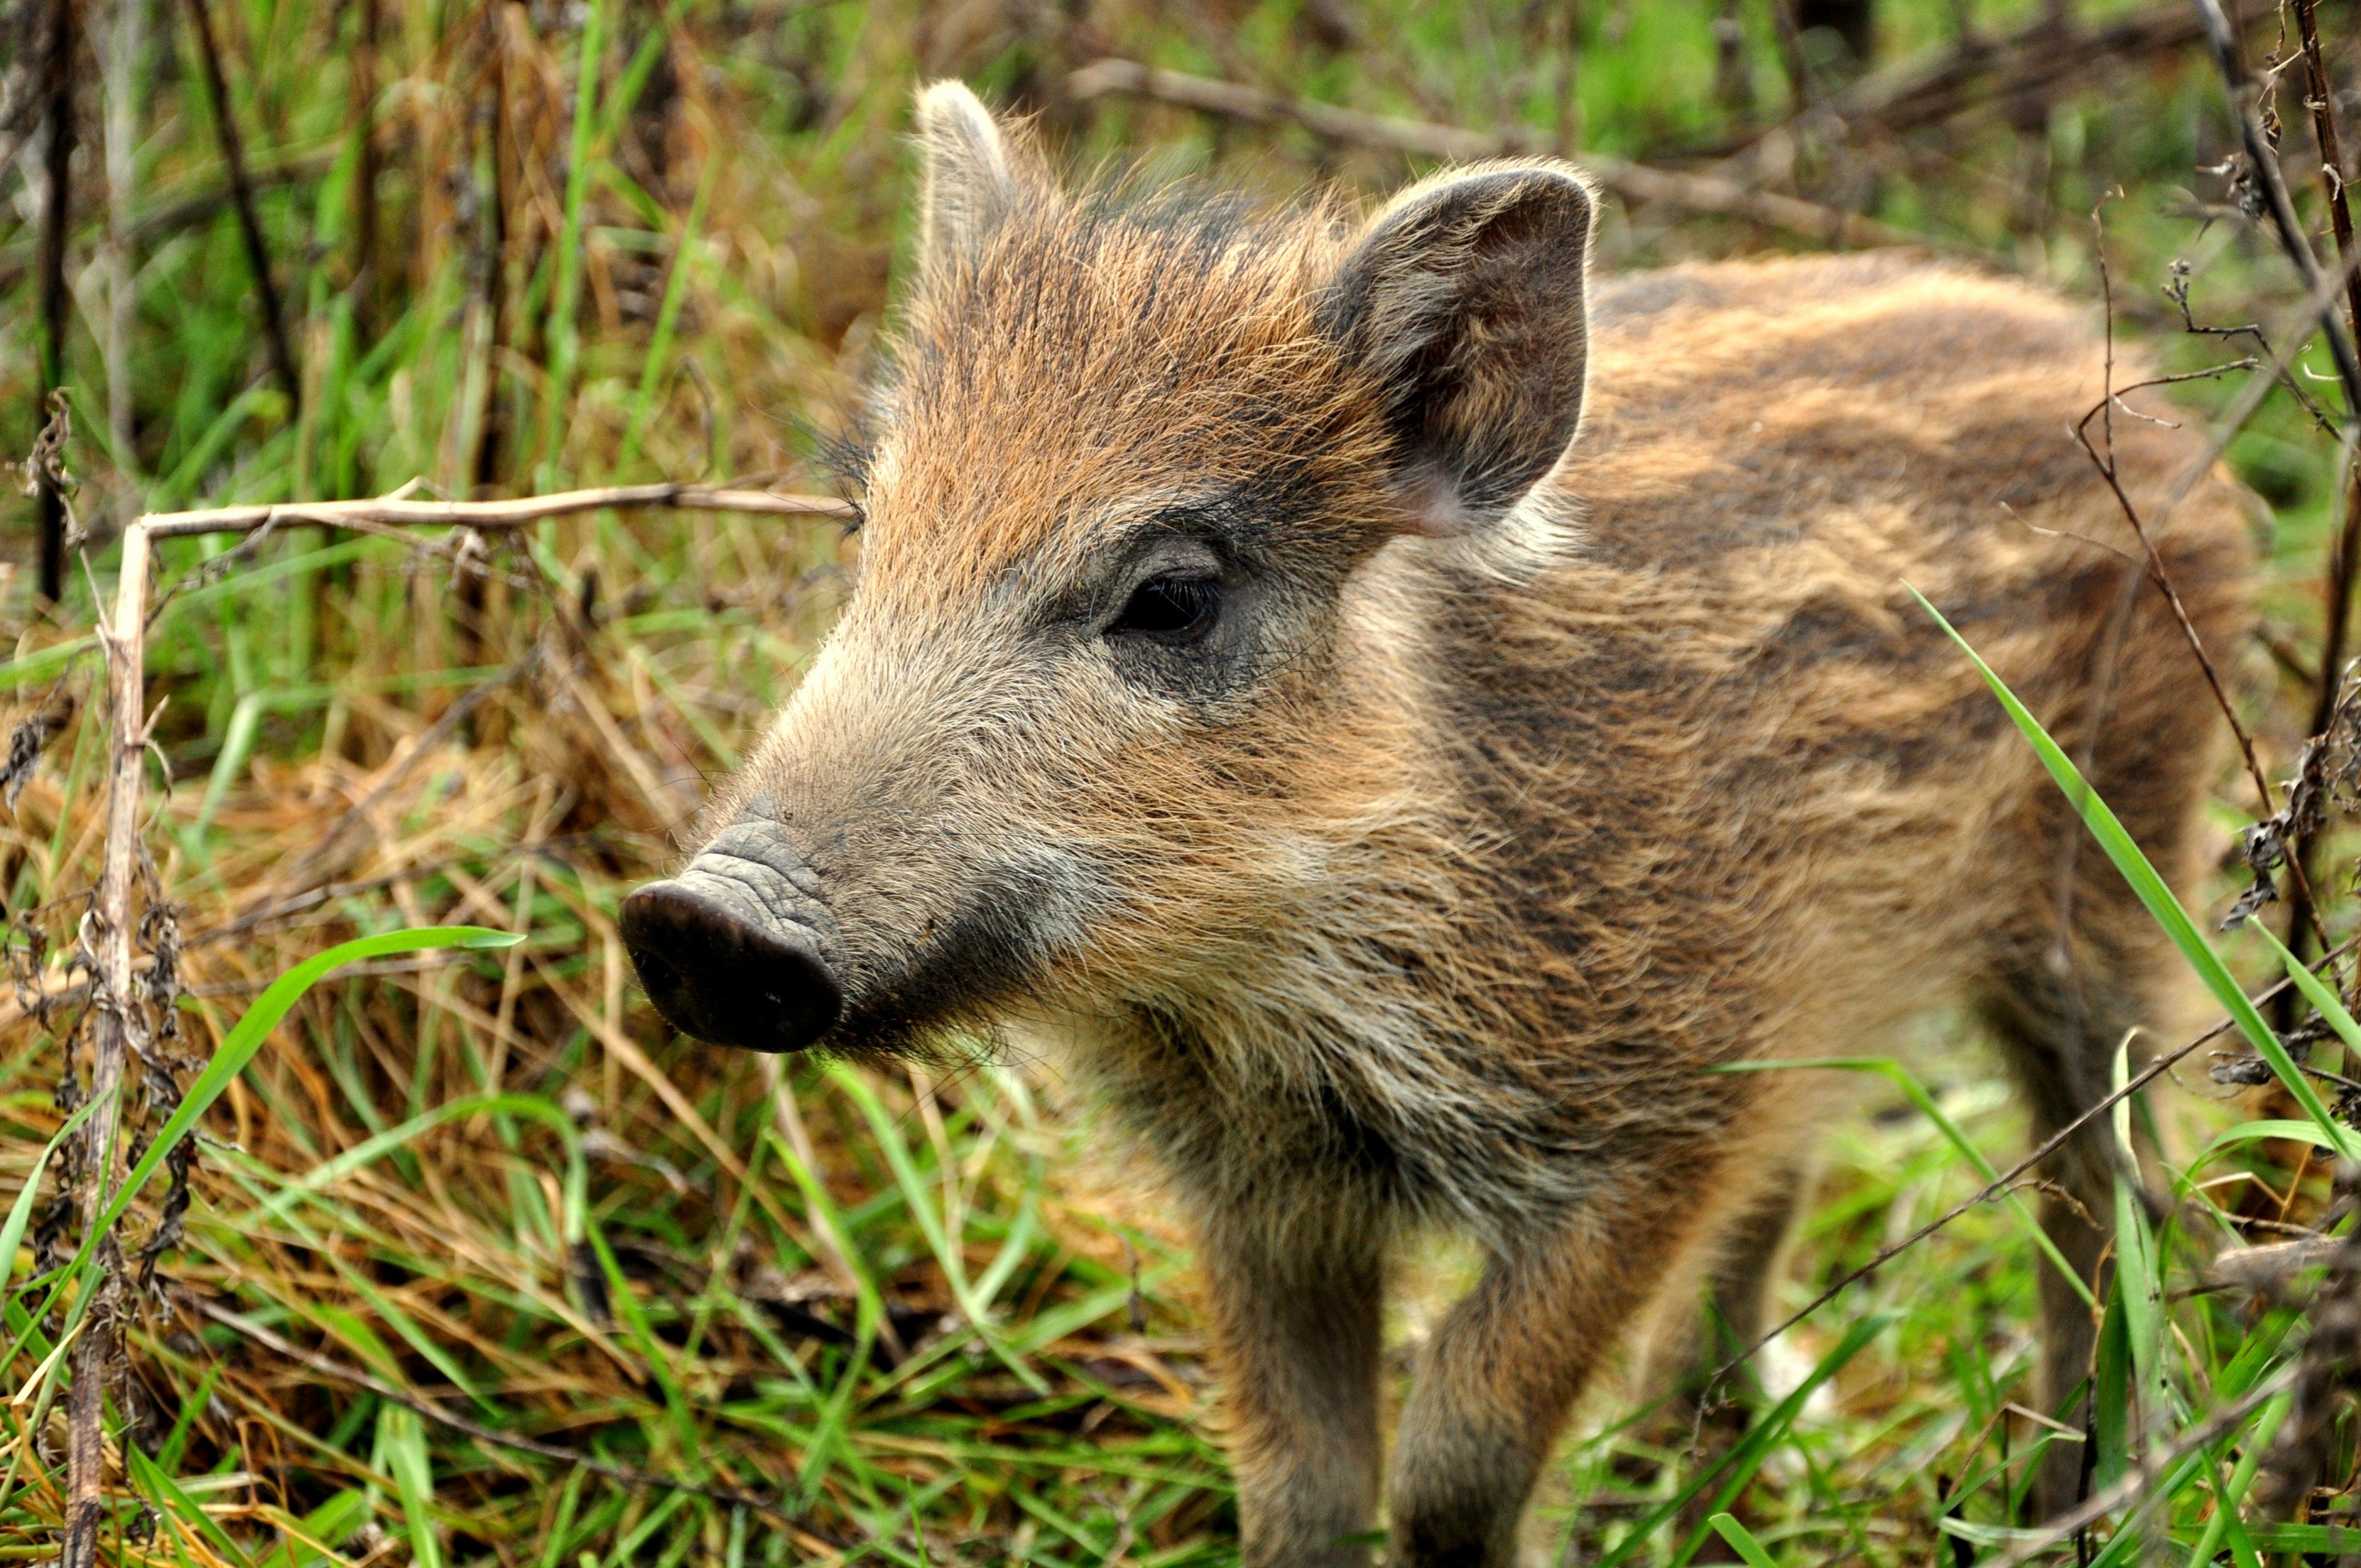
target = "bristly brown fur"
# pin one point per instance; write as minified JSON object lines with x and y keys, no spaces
{"x":1519,"y":784}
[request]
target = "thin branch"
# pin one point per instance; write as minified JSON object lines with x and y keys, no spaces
{"x":327,"y":1367}
{"x":119,"y":1013}
{"x":2004,"y":1181}
{"x":2265,"y":163}
{"x":2154,"y":564}
{"x":2344,"y":552}
{"x":2177,"y":292}
{"x":57,"y":212}
{"x":494,"y":514}
{"x":249,"y":227}
{"x":2292,"y":332}
{"x":2134,"y":1484}
{"x":2035,"y":64}
{"x":118,"y":1009}
{"x":1421,"y":139}
{"x":2306,"y":911}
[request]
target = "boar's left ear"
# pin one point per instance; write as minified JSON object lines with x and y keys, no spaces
{"x":970,"y":170}
{"x":1464,"y":300}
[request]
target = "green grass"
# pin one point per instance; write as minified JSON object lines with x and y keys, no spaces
{"x":922,"y":1321}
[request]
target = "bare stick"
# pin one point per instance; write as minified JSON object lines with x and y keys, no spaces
{"x":2265,"y":163}
{"x":110,"y":927}
{"x":56,"y":217}
{"x":2005,"y":1180}
{"x":2035,"y":65}
{"x":1421,"y":139}
{"x":249,"y":227}
{"x":2304,"y":911}
{"x":2345,"y":555}
{"x":364,"y":68}
{"x":2318,"y":89}
{"x":2219,"y":1424}
{"x":126,"y":47}
{"x":354,"y":1376}
{"x":514,"y":513}
{"x":117,"y":1013}
{"x":2292,"y":334}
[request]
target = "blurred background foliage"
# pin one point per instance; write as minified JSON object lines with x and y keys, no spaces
{"x":511,"y":247}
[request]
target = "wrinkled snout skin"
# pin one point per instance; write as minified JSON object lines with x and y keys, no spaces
{"x":902,"y":824}
{"x":1394,"y":714}
{"x":738,"y":949}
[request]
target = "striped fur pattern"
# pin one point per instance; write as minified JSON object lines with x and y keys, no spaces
{"x":1525,"y":773}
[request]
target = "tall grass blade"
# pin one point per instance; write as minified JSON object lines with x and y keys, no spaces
{"x":2156,"y":897}
{"x":1741,"y":1541}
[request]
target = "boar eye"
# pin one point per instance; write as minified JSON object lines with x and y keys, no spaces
{"x":1171,"y":609}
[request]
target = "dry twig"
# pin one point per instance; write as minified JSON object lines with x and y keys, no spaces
{"x":2141,"y":1477}
{"x":2004,"y":1182}
{"x":249,"y":227}
{"x":2263,"y":163}
{"x":2103,"y":457}
{"x":396,"y":511}
{"x":2035,"y":65}
{"x":2344,"y":552}
{"x":120,"y":1012}
{"x":57,"y":65}
{"x":1421,"y":139}
{"x":327,"y":1367}
{"x":117,"y":1006}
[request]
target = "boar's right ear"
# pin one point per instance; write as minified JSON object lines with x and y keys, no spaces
{"x":1464,"y":301}
{"x":971,"y":172}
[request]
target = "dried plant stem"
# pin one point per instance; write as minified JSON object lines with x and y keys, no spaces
{"x":2319,"y":96}
{"x":365,"y":224}
{"x":1420,"y":138}
{"x":249,"y":227}
{"x":126,"y":47}
{"x":327,"y":1367}
{"x":2305,"y":915}
{"x":2132,"y":1487}
{"x":394,"y":511}
{"x":57,"y":211}
{"x":2005,"y":1180}
{"x":2345,"y":554}
{"x":118,"y":1009}
{"x":114,"y":1015}
{"x":2265,"y":163}
{"x":2030,"y":66}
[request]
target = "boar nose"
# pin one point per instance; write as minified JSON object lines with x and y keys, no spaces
{"x":725,"y":974}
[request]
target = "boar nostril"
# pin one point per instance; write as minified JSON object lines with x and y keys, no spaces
{"x":723,"y":977}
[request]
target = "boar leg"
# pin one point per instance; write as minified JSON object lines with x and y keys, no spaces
{"x":1502,"y":1374}
{"x":1752,"y":1256}
{"x":1748,"y":1258}
{"x":1719,"y":1303}
{"x":2059,"y":1036}
{"x":1296,"y":1317}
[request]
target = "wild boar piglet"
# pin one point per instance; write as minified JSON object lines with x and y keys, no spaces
{"x":1394,"y":713}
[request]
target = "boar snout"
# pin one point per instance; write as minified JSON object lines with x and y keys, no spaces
{"x":731,"y":950}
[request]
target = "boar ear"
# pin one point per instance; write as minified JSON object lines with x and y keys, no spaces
{"x":1464,"y":301}
{"x":970,"y":170}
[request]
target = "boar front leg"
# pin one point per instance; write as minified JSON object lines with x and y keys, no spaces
{"x":1503,"y":1371}
{"x":1296,"y":1313}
